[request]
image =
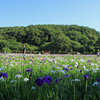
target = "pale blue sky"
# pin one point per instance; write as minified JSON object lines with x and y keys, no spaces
{"x":63,"y":12}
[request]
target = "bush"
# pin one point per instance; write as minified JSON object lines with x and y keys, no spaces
{"x":6,"y":49}
{"x":35,"y":52}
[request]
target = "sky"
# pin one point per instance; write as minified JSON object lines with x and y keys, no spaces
{"x":58,"y":12}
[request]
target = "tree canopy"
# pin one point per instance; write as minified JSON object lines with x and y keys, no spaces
{"x":56,"y":38}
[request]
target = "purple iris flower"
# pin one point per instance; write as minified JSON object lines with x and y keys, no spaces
{"x":48,"y":79}
{"x":66,"y":75}
{"x":98,"y":80}
{"x":77,"y":66}
{"x":60,"y":78}
{"x":41,"y":61}
{"x":95,"y":60}
{"x":56,"y":81}
{"x":39,"y":81}
{"x":65,"y":69}
{"x":80,"y":70}
{"x":88,"y":61}
{"x":71,"y":68}
{"x":19,"y":71}
{"x":86,"y":76}
{"x":53,"y":60}
{"x":61,"y":65}
{"x":44,"y":58}
{"x":4,"y":75}
{"x":27,"y":70}
{"x":69,"y":65}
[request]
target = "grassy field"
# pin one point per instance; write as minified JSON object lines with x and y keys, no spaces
{"x":49,"y":77}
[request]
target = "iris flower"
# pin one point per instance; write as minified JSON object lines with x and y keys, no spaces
{"x":52,"y":71}
{"x":69,"y":65}
{"x":86,"y":76}
{"x":77,"y":66}
{"x":66,"y":75}
{"x":13,"y":81}
{"x":61,"y":71}
{"x":4,"y":75}
{"x":41,"y":61}
{"x":39,"y":81}
{"x":98,"y":80}
{"x":80,"y":70}
{"x":1,"y":68}
{"x":19,"y":71}
{"x":56,"y":81}
{"x":26,"y":79}
{"x":27,"y":70}
{"x":65,"y":69}
{"x":48,"y":79}
{"x":61,"y":65}
{"x":88,"y":61}
{"x":71,"y":68}
{"x":33,"y":88}
{"x":75,"y":80}
{"x":53,"y":60}
{"x":18,"y":75}
{"x":97,"y":83}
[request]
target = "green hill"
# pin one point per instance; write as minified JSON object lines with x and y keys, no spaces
{"x":56,"y":38}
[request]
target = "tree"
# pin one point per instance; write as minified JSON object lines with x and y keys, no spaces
{"x":58,"y":38}
{"x":61,"y":43}
{"x":4,"y":43}
{"x":28,"y":48}
{"x":75,"y":45}
{"x":82,"y":49}
{"x":74,"y":35}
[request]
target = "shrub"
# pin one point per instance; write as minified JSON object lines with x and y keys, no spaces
{"x":6,"y":49}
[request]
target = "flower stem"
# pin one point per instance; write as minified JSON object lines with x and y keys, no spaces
{"x":85,"y":89}
{"x":57,"y":92}
{"x":74,"y":92}
{"x":74,"y":88}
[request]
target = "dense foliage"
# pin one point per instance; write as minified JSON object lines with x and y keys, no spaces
{"x":56,"y":38}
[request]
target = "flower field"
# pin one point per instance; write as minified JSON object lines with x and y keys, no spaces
{"x":49,"y":77}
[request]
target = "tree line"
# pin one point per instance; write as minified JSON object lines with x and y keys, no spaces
{"x":56,"y":38}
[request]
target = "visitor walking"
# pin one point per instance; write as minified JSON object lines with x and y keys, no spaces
{"x":24,"y":51}
{"x":97,"y":54}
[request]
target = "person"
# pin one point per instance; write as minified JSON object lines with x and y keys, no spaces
{"x":5,"y":52}
{"x":24,"y":51}
{"x":49,"y":51}
{"x":97,"y":54}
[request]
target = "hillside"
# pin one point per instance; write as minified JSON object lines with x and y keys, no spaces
{"x":56,"y":38}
